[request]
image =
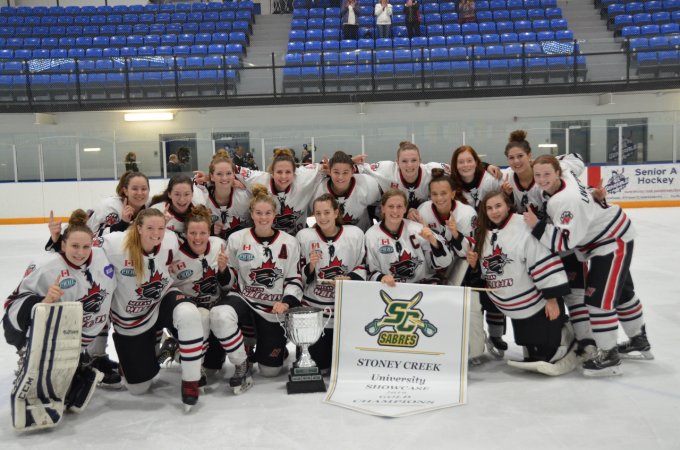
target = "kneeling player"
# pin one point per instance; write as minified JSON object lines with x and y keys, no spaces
{"x":527,"y":282}
{"x":57,"y":311}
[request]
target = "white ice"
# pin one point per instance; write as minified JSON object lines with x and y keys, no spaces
{"x":506,"y":408}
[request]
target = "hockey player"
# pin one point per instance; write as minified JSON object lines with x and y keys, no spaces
{"x":176,"y":202}
{"x":328,"y":251}
{"x":354,"y":193}
{"x":264,"y":269}
{"x":527,"y":283}
{"x":603,"y":236}
{"x":200,"y":272}
{"x":78,"y":274}
{"x":400,"y":250}
{"x":146,"y":301}
{"x":519,"y":183}
{"x":228,"y":206}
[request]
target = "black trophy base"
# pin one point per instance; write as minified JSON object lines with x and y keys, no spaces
{"x":305,"y":380}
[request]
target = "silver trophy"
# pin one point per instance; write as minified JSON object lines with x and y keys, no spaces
{"x":304,"y":326}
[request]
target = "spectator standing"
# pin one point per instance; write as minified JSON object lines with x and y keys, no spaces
{"x":350,"y":19}
{"x":383,"y":14}
{"x":466,"y":11}
{"x":412,"y":18}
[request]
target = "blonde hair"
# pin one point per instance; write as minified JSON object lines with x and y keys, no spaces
{"x":281,"y":154}
{"x":261,"y":194}
{"x":221,"y":156}
{"x":77,"y":222}
{"x":198,"y":214}
{"x":388,"y":195}
{"x":132,"y":244}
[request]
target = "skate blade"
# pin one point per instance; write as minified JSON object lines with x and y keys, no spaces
{"x":639,"y":356}
{"x":188,"y":408}
{"x":111,"y":386}
{"x":238,"y":390}
{"x":608,"y":372}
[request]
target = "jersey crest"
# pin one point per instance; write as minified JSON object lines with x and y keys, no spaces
{"x":405,"y":267}
{"x":112,"y":219}
{"x":94,"y":298}
{"x":266,"y":275}
{"x":287,"y":218}
{"x":496,"y":261}
{"x":566,"y":217}
{"x":153,"y":288}
{"x":334,"y":269}
{"x":207,"y":284}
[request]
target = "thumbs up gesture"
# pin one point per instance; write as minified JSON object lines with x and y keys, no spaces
{"x":55,"y":227}
{"x":451,"y":225}
{"x":222,"y":260}
{"x":54,"y":293}
{"x":427,"y":234}
{"x":128,"y":211}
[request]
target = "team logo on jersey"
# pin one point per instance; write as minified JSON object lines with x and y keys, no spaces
{"x":98,"y":242}
{"x":93,"y":300}
{"x":153,"y":288}
{"x":332,"y":270}
{"x":347,"y":219}
{"x":207,"y":284}
{"x":183,"y":275}
{"x":405,"y":267}
{"x":266,"y":275}
{"x":112,"y":219}
{"x":108,"y":271}
{"x":386,"y":249}
{"x":566,"y":217}
{"x":29,"y":270}
{"x":375,"y":166}
{"x":404,"y":320}
{"x":127,"y":272}
{"x":245,"y":257}
{"x":287,"y":219}
{"x":496,"y":261}
{"x":67,"y":283}
{"x":235,"y":223}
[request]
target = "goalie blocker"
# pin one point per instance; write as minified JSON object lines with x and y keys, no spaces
{"x":50,"y":376}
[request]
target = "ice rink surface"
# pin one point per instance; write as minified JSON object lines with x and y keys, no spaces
{"x":506,"y":409}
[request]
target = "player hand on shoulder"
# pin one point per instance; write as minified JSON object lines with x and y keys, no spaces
{"x":494,"y":171}
{"x":54,"y":293}
{"x":200,"y":177}
{"x":238,"y":184}
{"x":388,"y":280}
{"x":414,"y":215}
{"x":222,"y":260}
{"x":279,"y":308}
{"x":552,"y":309}
{"x":54,"y":227}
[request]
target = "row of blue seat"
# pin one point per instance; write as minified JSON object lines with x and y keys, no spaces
{"x":659,"y":18}
{"x":110,"y":30}
{"x":123,"y":9}
{"x":417,"y":42}
{"x":129,"y":19}
{"x":123,"y":41}
{"x":647,"y":30}
{"x":163,"y":50}
{"x":657,"y":64}
{"x":435,"y":8}
{"x":654,"y":43}
{"x":640,"y":7}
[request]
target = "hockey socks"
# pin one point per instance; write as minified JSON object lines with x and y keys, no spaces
{"x":187,"y":320}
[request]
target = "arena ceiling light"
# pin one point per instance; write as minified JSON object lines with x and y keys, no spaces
{"x":148,"y":116}
{"x":92,"y":149}
{"x":547,"y":145}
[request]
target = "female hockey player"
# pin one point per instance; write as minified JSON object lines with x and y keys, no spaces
{"x":200,"y":272}
{"x":602,"y":235}
{"x":264,"y":269}
{"x":328,"y":251}
{"x":519,"y":184}
{"x":354,"y":193}
{"x":527,"y":283}
{"x":400,"y":250}
{"x":176,"y":202}
{"x":146,"y":301}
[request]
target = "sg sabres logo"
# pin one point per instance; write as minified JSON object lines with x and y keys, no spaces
{"x":153,"y":288}
{"x":266,"y":275}
{"x":405,"y":320}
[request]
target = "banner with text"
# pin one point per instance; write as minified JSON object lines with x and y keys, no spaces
{"x":399,"y":351}
{"x":638,"y":182}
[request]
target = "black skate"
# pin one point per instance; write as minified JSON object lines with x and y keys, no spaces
{"x":190,"y":391}
{"x":242,"y":380}
{"x":168,"y":351}
{"x":109,"y":369}
{"x":605,"y":364}
{"x":496,"y":346}
{"x":637,"y":347}
{"x":586,"y":349}
{"x":203,"y":381}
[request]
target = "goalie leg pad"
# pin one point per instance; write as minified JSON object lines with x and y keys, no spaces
{"x":49,"y":363}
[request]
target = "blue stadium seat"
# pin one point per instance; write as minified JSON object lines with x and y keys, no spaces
{"x":509,"y":37}
{"x":313,"y":46}
{"x":505,"y":27}
{"x":642,"y":19}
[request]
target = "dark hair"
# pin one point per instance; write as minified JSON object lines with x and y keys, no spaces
{"x":175,"y":180}
{"x":334,"y":205}
{"x":340,"y":157}
{"x":484,"y":224}
{"x":77,"y":222}
{"x":439,"y":176}
{"x":125,"y":179}
{"x":407,"y":145}
{"x":455,"y":176}
{"x":518,"y":139}
{"x":388,"y":195}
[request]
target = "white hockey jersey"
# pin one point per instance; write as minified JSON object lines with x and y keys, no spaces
{"x":293,"y":203}
{"x":388,"y":176}
{"x":363,"y":191}
{"x":135,"y":307}
{"x":405,"y":255}
{"x":575,"y":221}
{"x":92,"y":284}
{"x":265,"y":271}
{"x":234,"y":216}
{"x":475,"y":191}
{"x":105,"y":216}
{"x":521,"y":271}
{"x":466,"y":222}
{"x":341,"y":255}
{"x":197,"y":276}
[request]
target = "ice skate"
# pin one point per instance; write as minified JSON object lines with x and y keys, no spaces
{"x":109,"y":368}
{"x":168,"y":351}
{"x":242,"y":380}
{"x":203,"y":381}
{"x":637,"y":347}
{"x":190,"y":391}
{"x":606,"y":363}
{"x":586,"y":349}
{"x":496,"y":346}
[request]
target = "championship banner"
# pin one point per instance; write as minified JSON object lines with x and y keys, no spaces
{"x":399,"y":351}
{"x":638,"y":183}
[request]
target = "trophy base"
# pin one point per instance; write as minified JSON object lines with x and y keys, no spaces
{"x":305,"y":380}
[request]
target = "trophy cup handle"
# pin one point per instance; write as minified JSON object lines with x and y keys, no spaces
{"x":285,"y":333}
{"x":329,"y":312}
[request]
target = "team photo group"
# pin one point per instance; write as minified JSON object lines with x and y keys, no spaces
{"x":206,"y":270}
